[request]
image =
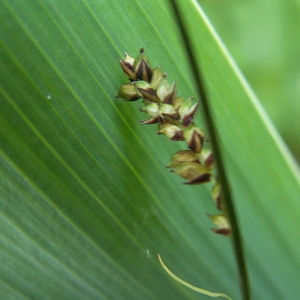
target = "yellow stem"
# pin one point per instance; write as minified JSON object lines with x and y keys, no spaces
{"x":199,"y":290}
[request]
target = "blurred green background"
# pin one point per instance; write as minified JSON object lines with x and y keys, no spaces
{"x":264,"y":39}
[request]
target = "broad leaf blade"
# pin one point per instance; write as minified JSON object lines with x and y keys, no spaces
{"x":86,"y":202}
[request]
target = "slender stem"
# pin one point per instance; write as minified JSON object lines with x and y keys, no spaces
{"x":194,"y":63}
{"x":194,"y":288}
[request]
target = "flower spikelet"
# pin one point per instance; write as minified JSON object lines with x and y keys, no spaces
{"x":175,"y":117}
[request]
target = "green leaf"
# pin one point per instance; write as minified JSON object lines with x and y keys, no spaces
{"x":86,"y":202}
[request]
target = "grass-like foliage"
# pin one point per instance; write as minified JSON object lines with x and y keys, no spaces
{"x":85,"y":203}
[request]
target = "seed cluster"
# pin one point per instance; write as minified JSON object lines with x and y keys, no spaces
{"x":175,"y":118}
